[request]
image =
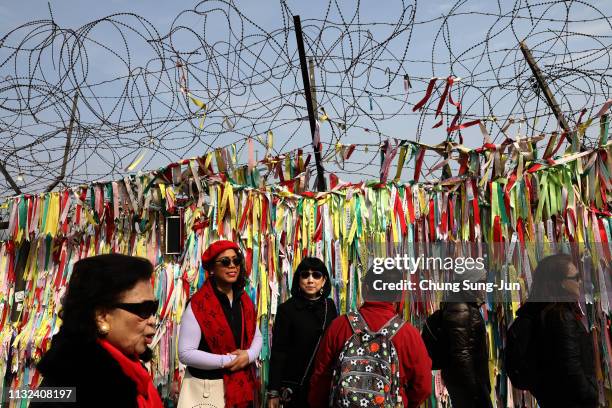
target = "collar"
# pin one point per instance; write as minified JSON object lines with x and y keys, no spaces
{"x":379,"y":305}
{"x":466,"y":296}
{"x":302,"y":303}
{"x":132,"y":368}
{"x":223,"y":297}
{"x":129,"y":365}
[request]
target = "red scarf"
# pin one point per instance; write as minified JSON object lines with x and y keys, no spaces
{"x":147,"y":394}
{"x":239,"y":385}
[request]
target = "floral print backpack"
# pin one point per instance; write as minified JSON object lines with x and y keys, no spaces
{"x":367,"y":372}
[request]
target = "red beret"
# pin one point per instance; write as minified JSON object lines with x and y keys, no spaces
{"x":216,"y":248}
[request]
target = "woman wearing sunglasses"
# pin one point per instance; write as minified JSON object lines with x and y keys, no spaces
{"x":108,"y":316}
{"x":298,"y":327}
{"x":218,"y":338}
{"x":560,"y":350}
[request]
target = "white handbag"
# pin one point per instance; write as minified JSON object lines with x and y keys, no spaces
{"x":199,"y":393}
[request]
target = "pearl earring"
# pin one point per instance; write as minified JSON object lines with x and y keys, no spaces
{"x":103,"y":329}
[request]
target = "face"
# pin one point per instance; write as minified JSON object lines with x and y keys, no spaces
{"x":129,"y":332}
{"x":311,"y":283}
{"x":226,"y":272}
{"x":572,"y":281}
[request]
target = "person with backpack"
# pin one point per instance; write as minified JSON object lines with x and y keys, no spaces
{"x":548,"y":349}
{"x":371,"y":358}
{"x":298,"y":328}
{"x":456,"y":340}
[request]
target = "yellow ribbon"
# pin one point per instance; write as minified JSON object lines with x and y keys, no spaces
{"x":201,"y":106}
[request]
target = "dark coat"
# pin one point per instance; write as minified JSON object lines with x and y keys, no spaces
{"x":97,"y":376}
{"x":297,"y":328}
{"x":467,"y":374}
{"x":565,"y":358}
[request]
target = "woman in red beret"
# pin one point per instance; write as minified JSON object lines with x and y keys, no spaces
{"x":219,"y":339}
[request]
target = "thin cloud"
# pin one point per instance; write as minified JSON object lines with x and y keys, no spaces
{"x":589,"y":28}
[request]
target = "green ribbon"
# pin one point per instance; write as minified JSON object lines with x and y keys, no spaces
{"x":501,"y":204}
{"x":543,"y":196}
{"x":358,"y":215}
{"x":604,"y":124}
{"x":23,"y":212}
{"x":45,"y":211}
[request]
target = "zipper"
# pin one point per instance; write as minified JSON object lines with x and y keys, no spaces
{"x":364,"y":391}
{"x":366,"y":374}
{"x":386,"y":363}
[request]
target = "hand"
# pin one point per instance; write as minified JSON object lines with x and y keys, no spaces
{"x":274,"y":402}
{"x":241,"y":360}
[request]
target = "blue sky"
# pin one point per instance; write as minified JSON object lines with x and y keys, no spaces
{"x":427,"y":54}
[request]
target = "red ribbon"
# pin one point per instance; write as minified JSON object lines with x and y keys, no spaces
{"x":432,"y":231}
{"x":319,"y":225}
{"x":443,"y":223}
{"x":399,"y":211}
{"x":63,"y":203}
{"x":333,"y":180}
{"x":423,"y":101}
{"x":451,"y":218}
{"x":456,"y":104}
{"x":290,"y":184}
{"x":447,"y":87}
{"x":520,"y":230}
{"x":561,"y":139}
{"x":511,"y":182}
{"x":463,"y":164}
{"x":475,"y":204}
{"x":497,"y":234}
{"x":604,"y":238}
{"x":264,"y":211}
{"x":349,"y":152}
{"x":419,"y":164}
{"x":30,"y":213}
{"x":453,"y":127}
{"x":534,"y":168}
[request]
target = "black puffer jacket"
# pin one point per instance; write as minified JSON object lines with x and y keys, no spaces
{"x":467,"y":374}
{"x":97,"y":377}
{"x":565,"y":368}
{"x":297,"y":328}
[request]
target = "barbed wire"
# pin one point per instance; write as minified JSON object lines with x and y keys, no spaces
{"x":149,"y":95}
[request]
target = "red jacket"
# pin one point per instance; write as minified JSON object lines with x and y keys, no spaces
{"x":415,"y":364}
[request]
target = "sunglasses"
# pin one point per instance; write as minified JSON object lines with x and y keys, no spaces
{"x":144,"y":310}
{"x":316,"y":275}
{"x":226,"y":262}
{"x":577,"y":278}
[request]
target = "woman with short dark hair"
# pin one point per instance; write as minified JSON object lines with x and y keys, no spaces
{"x":298,"y":327}
{"x":108,"y":317}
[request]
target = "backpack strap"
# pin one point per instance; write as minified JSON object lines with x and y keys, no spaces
{"x":357,"y":322}
{"x":391,"y":328}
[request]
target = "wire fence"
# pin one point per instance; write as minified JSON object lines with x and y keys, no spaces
{"x":119,"y":94}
